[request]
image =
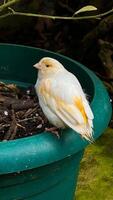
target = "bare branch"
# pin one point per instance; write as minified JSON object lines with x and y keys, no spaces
{"x":9,"y":3}
{"x":98,"y":16}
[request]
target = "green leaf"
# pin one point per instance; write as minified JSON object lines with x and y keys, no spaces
{"x":85,"y":9}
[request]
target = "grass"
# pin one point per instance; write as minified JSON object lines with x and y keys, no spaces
{"x":96,"y":172}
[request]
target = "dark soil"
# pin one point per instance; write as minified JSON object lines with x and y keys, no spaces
{"x":20,"y":113}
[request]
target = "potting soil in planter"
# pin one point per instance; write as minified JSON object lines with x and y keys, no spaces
{"x":20,"y":113}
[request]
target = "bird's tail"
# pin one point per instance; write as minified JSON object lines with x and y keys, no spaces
{"x":86,"y":131}
{"x":88,"y":135}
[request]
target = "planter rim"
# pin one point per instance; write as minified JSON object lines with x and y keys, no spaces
{"x":42,"y":149}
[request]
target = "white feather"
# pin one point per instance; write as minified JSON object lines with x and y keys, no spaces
{"x":64,"y":87}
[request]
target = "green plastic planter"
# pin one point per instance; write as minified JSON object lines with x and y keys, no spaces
{"x":43,"y":167}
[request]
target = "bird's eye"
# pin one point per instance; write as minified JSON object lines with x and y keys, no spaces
{"x":47,"y":65}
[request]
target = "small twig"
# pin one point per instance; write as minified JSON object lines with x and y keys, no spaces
{"x":21,"y":120}
{"x":9,"y":87}
{"x":7,"y":4}
{"x":5,"y":1}
{"x":12,"y":10}
{"x":19,"y":125}
{"x":98,"y":16}
{"x":13,"y":134}
{"x":13,"y":128}
{"x":5,"y":15}
{"x":29,"y":118}
{"x":10,"y":135}
{"x":30,"y":111}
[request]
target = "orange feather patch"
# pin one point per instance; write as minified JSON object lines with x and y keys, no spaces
{"x":44,"y":87}
{"x":79,"y":105}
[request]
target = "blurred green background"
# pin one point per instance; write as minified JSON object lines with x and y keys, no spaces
{"x":96,"y":171}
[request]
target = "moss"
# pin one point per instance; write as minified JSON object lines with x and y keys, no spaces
{"x":96,"y":171}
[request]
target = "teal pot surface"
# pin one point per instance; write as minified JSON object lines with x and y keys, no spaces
{"x":43,"y":167}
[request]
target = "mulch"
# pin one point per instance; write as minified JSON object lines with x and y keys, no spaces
{"x":20,"y":113}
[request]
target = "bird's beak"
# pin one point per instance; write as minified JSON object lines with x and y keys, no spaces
{"x":37,"y":66}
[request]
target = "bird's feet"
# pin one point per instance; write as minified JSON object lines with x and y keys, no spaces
{"x":53,"y":130}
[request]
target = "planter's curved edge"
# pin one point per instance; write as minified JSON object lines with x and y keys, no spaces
{"x":101,"y":105}
{"x":38,"y":151}
{"x":46,"y":148}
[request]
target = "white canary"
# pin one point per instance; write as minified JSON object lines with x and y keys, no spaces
{"x":62,"y":99}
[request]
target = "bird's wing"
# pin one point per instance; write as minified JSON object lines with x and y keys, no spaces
{"x":65,"y":99}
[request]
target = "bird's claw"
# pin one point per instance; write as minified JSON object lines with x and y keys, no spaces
{"x":53,"y":130}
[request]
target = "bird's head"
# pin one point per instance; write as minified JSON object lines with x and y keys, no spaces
{"x":48,"y":66}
